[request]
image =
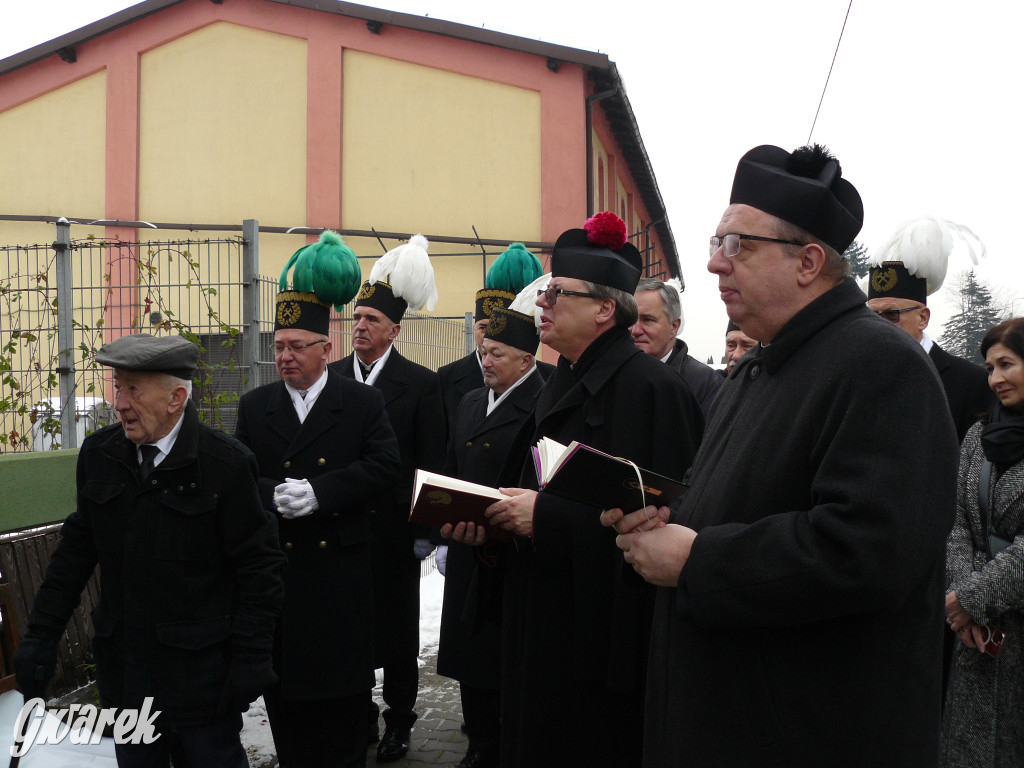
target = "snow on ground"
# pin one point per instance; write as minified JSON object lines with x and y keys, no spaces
{"x":259,"y":744}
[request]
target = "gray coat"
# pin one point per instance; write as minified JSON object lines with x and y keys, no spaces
{"x":984,"y":715}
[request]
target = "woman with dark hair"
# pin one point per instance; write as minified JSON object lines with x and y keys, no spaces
{"x":983,"y":722}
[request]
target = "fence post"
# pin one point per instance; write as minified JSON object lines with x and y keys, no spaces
{"x":470,"y":336}
{"x":65,"y":339}
{"x":250,"y":302}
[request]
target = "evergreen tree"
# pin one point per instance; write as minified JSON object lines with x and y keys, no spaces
{"x":711,"y":360}
{"x":963,"y":333}
{"x":857,"y":255}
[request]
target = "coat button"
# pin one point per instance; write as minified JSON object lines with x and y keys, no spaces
{"x":321,"y":462}
{"x":469,"y":443}
{"x":755,"y":371}
{"x":193,"y":485}
{"x":288,"y":545}
{"x":335,"y":514}
{"x":323,"y":545}
{"x":287,"y":464}
{"x":487,"y":446}
{"x":181,"y":488}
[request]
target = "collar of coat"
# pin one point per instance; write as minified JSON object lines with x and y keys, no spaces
{"x":183,"y":452}
{"x":845,"y":297}
{"x":600,"y":360}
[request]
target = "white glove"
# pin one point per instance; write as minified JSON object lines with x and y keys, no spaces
{"x":421,"y":548}
{"x":295,"y":498}
{"x":441,"y":558}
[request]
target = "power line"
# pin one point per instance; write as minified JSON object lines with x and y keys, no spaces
{"x":822,"y":99}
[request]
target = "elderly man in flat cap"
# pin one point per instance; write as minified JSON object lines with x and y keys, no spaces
{"x":190,"y":568}
{"x":802,"y":574}
{"x":575,"y":634}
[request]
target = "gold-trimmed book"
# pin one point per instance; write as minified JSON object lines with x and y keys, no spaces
{"x":587,"y":475}
{"x":438,"y":499}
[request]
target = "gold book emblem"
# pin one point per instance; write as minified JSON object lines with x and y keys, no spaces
{"x":439,"y":497}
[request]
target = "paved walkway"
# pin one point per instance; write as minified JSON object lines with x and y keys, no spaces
{"x":437,"y":738}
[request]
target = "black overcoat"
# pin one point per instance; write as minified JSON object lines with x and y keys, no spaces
{"x":189,"y":569}
{"x":463,"y":376}
{"x":703,"y":380}
{"x":574,"y":631}
{"x":966,"y":387}
{"x":347,"y":450}
{"x":412,"y":400}
{"x":469,"y":650}
{"x":457,"y":380}
{"x":807,"y":627}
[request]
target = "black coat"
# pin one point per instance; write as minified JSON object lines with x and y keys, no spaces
{"x":457,"y":380}
{"x":807,"y":627}
{"x":347,"y":450}
{"x":469,"y":649}
{"x":574,"y":631}
{"x":462,"y":377}
{"x":190,"y":569}
{"x":412,"y":399}
{"x":703,"y":380}
{"x":966,"y":386}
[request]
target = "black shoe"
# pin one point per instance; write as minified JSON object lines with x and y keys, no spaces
{"x":475,"y":759}
{"x":394,"y":745}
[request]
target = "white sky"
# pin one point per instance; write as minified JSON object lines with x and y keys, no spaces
{"x":922,"y":109}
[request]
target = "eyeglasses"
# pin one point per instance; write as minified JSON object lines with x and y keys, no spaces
{"x":551,"y":295}
{"x":893,"y":315}
{"x":730,"y":243}
{"x":295,"y":347}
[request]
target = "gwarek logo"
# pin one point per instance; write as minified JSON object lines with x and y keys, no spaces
{"x":83,"y":724}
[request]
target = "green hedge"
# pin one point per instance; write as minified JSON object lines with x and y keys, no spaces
{"x":36,"y":488}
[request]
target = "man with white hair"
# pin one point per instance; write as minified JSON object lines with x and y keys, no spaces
{"x":190,"y":568}
{"x":656,"y":331}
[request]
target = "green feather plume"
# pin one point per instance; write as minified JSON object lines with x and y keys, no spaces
{"x":327,"y":268}
{"x":514,"y":269}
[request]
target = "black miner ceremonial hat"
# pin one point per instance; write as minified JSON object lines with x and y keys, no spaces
{"x":174,"y":355}
{"x":514,"y":328}
{"x":805,"y":188}
{"x":599,"y":253}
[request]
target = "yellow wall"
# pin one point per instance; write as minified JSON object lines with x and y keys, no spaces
{"x":52,"y":156}
{"x":427,"y":150}
{"x":223,"y":128}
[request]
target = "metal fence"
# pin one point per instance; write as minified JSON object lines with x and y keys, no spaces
{"x":60,"y":302}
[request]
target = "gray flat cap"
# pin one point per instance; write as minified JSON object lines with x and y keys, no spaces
{"x":175,"y":355}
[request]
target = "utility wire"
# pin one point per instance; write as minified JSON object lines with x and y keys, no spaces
{"x":822,"y":99}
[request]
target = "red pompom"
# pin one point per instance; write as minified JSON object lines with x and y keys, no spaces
{"x":607,"y":229}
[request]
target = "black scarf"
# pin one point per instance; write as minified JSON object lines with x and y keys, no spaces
{"x":1002,"y":439}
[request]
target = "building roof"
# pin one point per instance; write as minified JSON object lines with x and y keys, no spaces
{"x":602,"y":72}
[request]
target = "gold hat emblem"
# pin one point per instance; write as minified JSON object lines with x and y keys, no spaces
{"x":490,"y":305}
{"x":883,"y":281}
{"x":498,"y":322}
{"x":288,"y":313}
{"x":366,"y":291}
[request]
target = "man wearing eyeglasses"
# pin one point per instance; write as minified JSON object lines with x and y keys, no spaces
{"x":325,"y":449}
{"x":901,"y":296}
{"x":574,"y":632}
{"x":802,"y":574}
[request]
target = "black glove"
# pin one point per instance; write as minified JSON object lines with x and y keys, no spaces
{"x":34,"y":662}
{"x":250,"y":675}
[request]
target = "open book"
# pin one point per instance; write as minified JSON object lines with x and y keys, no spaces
{"x":587,"y":475}
{"x":438,"y":499}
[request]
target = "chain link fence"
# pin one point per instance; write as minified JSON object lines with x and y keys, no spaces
{"x":60,"y":302}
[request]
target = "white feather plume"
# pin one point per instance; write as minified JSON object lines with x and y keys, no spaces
{"x":525,"y":301}
{"x":924,"y":245}
{"x":407,"y":269}
{"x":676,"y":283}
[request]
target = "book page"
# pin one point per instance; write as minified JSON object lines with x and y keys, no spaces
{"x":452,"y":484}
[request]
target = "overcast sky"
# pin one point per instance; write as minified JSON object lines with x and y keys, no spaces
{"x":922,"y":109}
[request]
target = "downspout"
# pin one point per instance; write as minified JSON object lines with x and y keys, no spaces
{"x":590,"y":143}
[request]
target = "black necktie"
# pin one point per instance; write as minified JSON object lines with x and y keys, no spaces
{"x":366,"y":368}
{"x":149,"y":454}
